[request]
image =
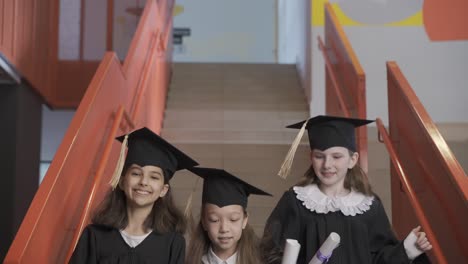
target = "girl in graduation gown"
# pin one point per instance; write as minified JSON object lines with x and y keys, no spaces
{"x":223,"y":235}
{"x":137,"y":222}
{"x":335,"y":196}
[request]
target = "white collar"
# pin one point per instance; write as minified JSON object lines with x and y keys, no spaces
{"x":133,"y":240}
{"x":316,"y":201}
{"x":211,"y":258}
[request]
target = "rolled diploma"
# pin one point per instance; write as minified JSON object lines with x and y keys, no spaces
{"x":291,"y":251}
{"x":325,"y":251}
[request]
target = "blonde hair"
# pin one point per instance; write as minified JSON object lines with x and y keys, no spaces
{"x":247,"y":246}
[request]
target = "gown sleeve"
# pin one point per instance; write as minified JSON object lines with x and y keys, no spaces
{"x":283,"y":223}
{"x":85,"y":251}
{"x":178,"y":250}
{"x":385,"y":247}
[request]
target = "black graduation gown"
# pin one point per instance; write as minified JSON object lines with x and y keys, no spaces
{"x":102,"y":244}
{"x":365,"y":238}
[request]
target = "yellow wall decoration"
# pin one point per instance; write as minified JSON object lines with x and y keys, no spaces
{"x":317,"y":17}
{"x":178,"y":9}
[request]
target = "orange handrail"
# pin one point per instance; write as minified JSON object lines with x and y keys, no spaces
{"x":410,"y":192}
{"x":46,"y":192}
{"x":76,"y":178}
{"x":332,"y":76}
{"x":450,"y":212}
{"x":331,"y":15}
{"x":97,"y":177}
{"x":142,"y":84}
{"x":443,"y":150}
{"x":437,"y":178}
{"x":344,"y":79}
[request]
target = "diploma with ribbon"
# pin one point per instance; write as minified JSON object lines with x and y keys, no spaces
{"x":325,"y":251}
{"x":291,"y":251}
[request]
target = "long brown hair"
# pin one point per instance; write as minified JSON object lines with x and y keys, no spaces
{"x":247,"y":246}
{"x":164,"y":216}
{"x":355,"y":179}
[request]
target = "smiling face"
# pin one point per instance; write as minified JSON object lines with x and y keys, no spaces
{"x":331,"y":165}
{"x":143,"y":186}
{"x":224,"y":227}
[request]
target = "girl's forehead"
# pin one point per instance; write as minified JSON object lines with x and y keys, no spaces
{"x":332,"y":150}
{"x":146,"y":168}
{"x":225,"y":210}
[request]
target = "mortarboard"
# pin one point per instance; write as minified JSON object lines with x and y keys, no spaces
{"x":222,"y":188}
{"x":330,"y":131}
{"x":147,"y":148}
{"x":324,"y":132}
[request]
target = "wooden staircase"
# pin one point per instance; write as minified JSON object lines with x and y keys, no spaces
{"x":233,"y":116}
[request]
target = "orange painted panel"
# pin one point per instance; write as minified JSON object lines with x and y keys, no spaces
{"x":73,"y":78}
{"x":439,"y":182}
{"x":446,"y":20}
{"x":8,"y":27}
{"x":28,"y":38}
{"x":350,"y":79}
{"x":40,"y":23}
{"x":2,"y":21}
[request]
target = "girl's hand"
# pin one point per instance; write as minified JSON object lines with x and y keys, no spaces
{"x":422,"y":243}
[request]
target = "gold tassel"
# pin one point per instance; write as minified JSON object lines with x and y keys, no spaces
{"x":188,"y":210}
{"x":120,"y":164}
{"x":188,"y":207}
{"x":288,"y":160}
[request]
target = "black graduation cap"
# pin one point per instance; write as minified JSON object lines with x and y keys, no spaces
{"x":222,"y":188}
{"x":147,"y":148}
{"x":324,"y":132}
{"x":331,"y":131}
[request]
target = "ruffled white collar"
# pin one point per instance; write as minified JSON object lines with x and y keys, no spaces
{"x":316,"y":201}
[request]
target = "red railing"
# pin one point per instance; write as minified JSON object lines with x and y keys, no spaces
{"x":385,"y":138}
{"x":438,"y":198}
{"x":344,"y":78}
{"x":428,"y":184}
{"x":79,"y":173}
{"x":334,"y":83}
{"x":116,"y":126}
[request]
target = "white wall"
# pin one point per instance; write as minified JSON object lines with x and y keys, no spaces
{"x":95,"y":28}
{"x":54,"y":126}
{"x":227,"y":31}
{"x":125,"y":25}
{"x":290,"y":35}
{"x":69,"y":30}
{"x":437,"y":71}
{"x":294,"y":38}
